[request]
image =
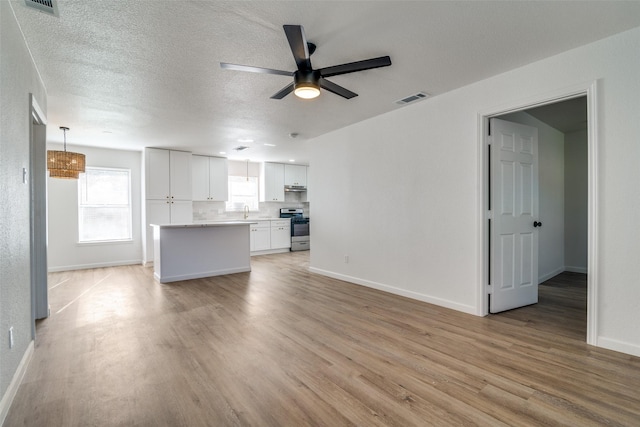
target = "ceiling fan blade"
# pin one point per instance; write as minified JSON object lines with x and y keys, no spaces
{"x":284,"y":92}
{"x":299,"y":47}
{"x":254,"y":69}
{"x":352,"y":67}
{"x":337,"y":89}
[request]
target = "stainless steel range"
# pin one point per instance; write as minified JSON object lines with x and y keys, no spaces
{"x":299,"y":228}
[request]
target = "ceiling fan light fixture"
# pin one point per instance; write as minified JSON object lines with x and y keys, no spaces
{"x":308,"y":91}
{"x":305,"y":84}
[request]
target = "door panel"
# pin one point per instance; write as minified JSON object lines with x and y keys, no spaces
{"x":514,"y":240}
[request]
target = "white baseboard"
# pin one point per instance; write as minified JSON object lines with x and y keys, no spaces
{"x":621,"y":346}
{"x":200,"y":275}
{"x":571,"y":269}
{"x":94,"y":265}
{"x":10,"y":394}
{"x":270,"y":251}
{"x":549,"y":275}
{"x":397,"y":291}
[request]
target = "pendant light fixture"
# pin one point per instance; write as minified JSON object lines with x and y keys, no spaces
{"x":65,"y":164}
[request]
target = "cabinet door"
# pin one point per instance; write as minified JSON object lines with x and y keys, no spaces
{"x":200,"y":178}
{"x":273,"y":182}
{"x":181,"y":212}
{"x":295,"y":175}
{"x":280,"y":234}
{"x":157,"y":174}
{"x":180,"y":173}
{"x":218,"y":179}
{"x":158,"y":212}
{"x":260,"y":238}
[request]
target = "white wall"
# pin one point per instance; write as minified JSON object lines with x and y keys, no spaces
{"x":551,"y":195}
{"x":575,"y":187}
{"x":65,"y":253}
{"x":18,"y":78}
{"x":399,"y":193}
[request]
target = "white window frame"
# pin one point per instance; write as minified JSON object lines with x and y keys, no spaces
{"x":235,"y":202}
{"x":82,"y":205}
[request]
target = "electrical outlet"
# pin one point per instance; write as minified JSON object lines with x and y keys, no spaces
{"x":346,"y":259}
{"x":11,"y":337}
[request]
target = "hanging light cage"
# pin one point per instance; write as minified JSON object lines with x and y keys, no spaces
{"x":65,"y":164}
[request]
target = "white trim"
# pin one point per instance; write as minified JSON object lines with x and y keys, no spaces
{"x":200,"y":275}
{"x":621,"y":346}
{"x":590,"y":89}
{"x":95,"y":265}
{"x":396,"y":291}
{"x":572,"y":269}
{"x":10,"y":394}
{"x":270,"y":251}
{"x":36,"y":112}
{"x":549,"y":275}
{"x":592,"y":215}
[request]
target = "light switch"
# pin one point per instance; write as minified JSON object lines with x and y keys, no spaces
{"x":24,"y":175}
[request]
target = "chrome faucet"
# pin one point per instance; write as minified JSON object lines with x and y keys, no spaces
{"x":246,"y":211}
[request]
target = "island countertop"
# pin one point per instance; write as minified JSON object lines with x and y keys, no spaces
{"x":206,"y":224}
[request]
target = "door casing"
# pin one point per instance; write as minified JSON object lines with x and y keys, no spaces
{"x":590,"y":90}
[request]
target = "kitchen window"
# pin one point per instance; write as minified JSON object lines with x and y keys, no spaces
{"x":243,"y":191}
{"x":104,"y":205}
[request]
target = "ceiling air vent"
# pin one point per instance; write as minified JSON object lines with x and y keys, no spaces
{"x":47,"y":6}
{"x":241,"y":148}
{"x":413,"y":98}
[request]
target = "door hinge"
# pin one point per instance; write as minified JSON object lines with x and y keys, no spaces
{"x":489,"y":215}
{"x":489,"y":289}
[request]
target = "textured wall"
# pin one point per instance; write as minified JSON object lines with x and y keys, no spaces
{"x":407,"y":186}
{"x":18,"y":78}
{"x":64,"y":252}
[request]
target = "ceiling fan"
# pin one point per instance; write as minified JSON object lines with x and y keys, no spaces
{"x":307,"y":81}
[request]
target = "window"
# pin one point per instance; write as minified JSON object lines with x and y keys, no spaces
{"x":104,"y":205}
{"x":242,"y":191}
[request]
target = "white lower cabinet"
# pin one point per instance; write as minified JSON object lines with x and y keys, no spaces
{"x":281,"y":234}
{"x":270,"y":236}
{"x":166,"y":212}
{"x":260,"y":236}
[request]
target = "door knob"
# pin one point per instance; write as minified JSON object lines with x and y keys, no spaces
{"x":537,"y":224}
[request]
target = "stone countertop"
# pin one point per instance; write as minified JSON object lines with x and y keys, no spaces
{"x":206,"y":224}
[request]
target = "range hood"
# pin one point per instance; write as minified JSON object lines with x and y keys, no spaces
{"x":294,"y":188}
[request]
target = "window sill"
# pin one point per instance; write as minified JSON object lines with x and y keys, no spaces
{"x":105,"y":242}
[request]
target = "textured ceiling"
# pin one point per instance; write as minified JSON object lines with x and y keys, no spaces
{"x":133,"y":73}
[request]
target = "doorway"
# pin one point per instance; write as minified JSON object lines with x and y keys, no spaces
{"x":37,"y":177}
{"x":536,"y":110}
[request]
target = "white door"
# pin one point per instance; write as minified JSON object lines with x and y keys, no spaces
{"x":514,"y":215}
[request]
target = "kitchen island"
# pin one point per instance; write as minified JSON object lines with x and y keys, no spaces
{"x":192,"y":251}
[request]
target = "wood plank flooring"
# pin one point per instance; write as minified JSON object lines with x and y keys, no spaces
{"x":281,"y":346}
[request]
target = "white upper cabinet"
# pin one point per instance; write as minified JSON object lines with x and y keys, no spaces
{"x":180,"y":167}
{"x":295,"y":175}
{"x":210,"y":178}
{"x":157,"y":174}
{"x":167,"y":174}
{"x":272,"y":182}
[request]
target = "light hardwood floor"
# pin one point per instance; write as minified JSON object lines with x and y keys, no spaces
{"x":284,"y":347}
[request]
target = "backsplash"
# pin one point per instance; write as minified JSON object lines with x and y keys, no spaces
{"x":214,"y":211}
